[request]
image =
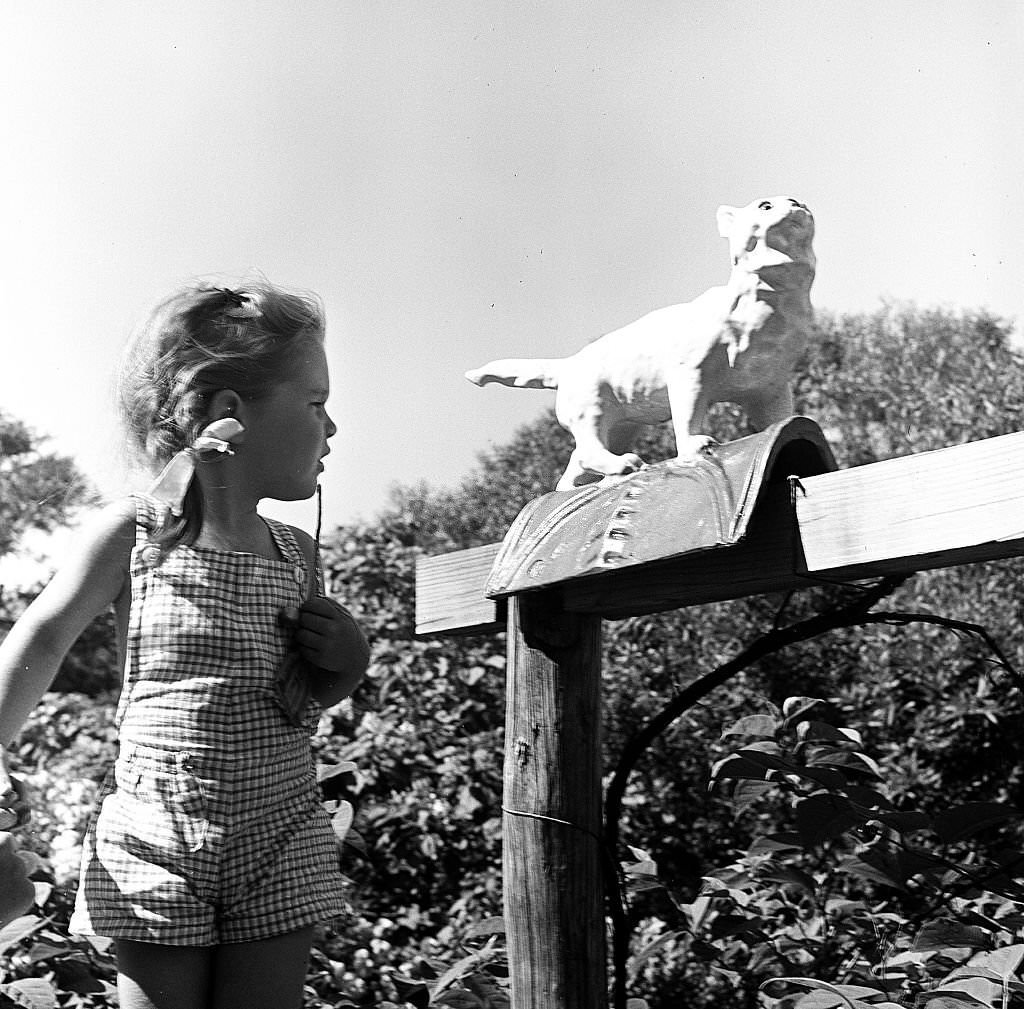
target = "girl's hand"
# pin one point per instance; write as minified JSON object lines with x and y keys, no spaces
{"x":329,"y":637}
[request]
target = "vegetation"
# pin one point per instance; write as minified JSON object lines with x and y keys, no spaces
{"x":726,"y":887}
{"x":38,"y":489}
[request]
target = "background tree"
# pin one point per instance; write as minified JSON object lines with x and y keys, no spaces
{"x":426,"y":729}
{"x":38,"y":489}
{"x":42,"y":491}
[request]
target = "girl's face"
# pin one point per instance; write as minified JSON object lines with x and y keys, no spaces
{"x":286,"y":432}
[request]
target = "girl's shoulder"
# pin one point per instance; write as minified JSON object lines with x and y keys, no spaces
{"x":107,"y":536}
{"x":94,"y":575}
{"x":112,"y":525}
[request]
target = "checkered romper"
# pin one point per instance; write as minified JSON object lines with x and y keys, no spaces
{"x":210,"y":828}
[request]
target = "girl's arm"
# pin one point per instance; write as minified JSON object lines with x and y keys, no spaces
{"x":95,"y":576}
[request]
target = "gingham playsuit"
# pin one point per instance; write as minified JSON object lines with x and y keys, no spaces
{"x":210,"y":827}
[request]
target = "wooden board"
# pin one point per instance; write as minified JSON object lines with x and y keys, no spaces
{"x":957,"y":505}
{"x":450,"y":595}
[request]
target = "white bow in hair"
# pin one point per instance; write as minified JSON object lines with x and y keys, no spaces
{"x":173,"y":482}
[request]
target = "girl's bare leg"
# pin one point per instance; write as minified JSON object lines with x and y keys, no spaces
{"x":151,"y":976}
{"x":266,"y":974}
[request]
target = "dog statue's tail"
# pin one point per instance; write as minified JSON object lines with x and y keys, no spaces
{"x":522,"y":373}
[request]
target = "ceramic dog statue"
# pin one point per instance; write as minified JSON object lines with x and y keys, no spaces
{"x":736,"y":343}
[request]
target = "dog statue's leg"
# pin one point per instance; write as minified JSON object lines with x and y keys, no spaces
{"x":576,"y":474}
{"x":770,"y":405}
{"x":689,"y":402}
{"x":592,"y":420}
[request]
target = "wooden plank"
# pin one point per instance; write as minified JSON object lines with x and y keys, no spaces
{"x":551,"y":850}
{"x":955,"y":505}
{"x":450,"y":593}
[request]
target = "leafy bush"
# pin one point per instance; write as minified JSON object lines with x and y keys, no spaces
{"x":861,"y":900}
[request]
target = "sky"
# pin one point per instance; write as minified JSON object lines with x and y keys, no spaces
{"x":476,"y":179}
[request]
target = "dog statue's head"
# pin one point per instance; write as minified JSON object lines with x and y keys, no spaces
{"x":769,"y":233}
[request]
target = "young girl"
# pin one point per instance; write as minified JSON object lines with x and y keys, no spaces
{"x":210,"y":858}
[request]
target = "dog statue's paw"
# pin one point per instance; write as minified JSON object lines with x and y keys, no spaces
{"x":692,"y":447}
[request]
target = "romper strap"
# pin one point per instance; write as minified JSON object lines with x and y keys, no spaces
{"x":289,"y":547}
{"x":149,"y":516}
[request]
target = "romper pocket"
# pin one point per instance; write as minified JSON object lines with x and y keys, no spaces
{"x":160,"y":799}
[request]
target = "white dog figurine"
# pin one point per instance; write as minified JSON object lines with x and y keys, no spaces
{"x":736,"y":343}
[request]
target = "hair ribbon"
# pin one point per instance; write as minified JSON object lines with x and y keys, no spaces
{"x":242,"y":305}
{"x":171,"y":486}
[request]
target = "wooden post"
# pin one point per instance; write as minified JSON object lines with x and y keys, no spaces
{"x":554,"y":907}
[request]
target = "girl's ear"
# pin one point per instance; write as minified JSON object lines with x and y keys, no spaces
{"x":225,"y":403}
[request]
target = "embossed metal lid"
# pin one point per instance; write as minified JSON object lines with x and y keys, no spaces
{"x":665,"y":510}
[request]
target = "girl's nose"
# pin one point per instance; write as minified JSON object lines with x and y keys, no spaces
{"x":332,"y":428}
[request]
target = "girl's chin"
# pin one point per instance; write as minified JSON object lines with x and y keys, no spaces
{"x":297,"y":494}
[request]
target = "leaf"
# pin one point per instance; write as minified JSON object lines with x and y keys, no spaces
{"x":327,"y":771}
{"x":486,"y":988}
{"x":32,"y":993}
{"x":822,"y":817}
{"x":811,"y":731}
{"x":336,"y":780}
{"x":414,"y":992}
{"x":459,"y":999}
{"x":954,"y":997}
{"x":848,"y":760}
{"x":983,"y":989}
{"x":797,"y":709}
{"x":43,"y":891}
{"x":463,"y":967}
{"x":840,"y":908}
{"x":13,"y":932}
{"x":746,"y":793}
{"x":639,"y":959}
{"x":753,"y":725}
{"x":342,"y":820}
{"x":831,"y":1000}
{"x":841,"y":994}
{"x":486,"y":927}
{"x":868,"y":797}
{"x":738,"y":766}
{"x":789,"y":875}
{"x":44,"y":950}
{"x":74,"y":974}
{"x":875,"y":865}
{"x":772,"y":843}
{"x":999,"y":964}
{"x":100,"y":943}
{"x":943,"y":933}
{"x":901,"y":821}
{"x":970,"y":818}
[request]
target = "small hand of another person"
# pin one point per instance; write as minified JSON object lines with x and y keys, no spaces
{"x":17,"y":894}
{"x":14,"y":810}
{"x":329,"y":637}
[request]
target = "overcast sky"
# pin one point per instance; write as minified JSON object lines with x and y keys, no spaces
{"x":476,"y":179}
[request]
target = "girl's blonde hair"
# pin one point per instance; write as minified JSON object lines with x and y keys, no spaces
{"x":200,"y":340}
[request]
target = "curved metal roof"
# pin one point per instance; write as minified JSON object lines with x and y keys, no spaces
{"x":662,"y":511}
